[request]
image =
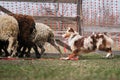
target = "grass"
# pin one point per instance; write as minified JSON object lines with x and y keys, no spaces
{"x":89,"y":67}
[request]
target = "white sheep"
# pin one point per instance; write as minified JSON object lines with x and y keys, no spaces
{"x":9,"y":31}
{"x":44,"y":34}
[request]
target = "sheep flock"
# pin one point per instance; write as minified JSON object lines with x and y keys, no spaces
{"x":19,"y":34}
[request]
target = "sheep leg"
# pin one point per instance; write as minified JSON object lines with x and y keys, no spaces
{"x":22,"y":52}
{"x":42,"y":49}
{"x":38,"y":55}
{"x":53,"y":43}
{"x":28,"y":52}
{"x":4,"y":47}
{"x":6,"y":52}
{"x":1,"y":51}
{"x":14,"y":49}
{"x":19,"y":50}
{"x":11,"y":41}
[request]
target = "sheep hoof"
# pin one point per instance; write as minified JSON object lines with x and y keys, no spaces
{"x":21,"y":55}
{"x":38,"y":55}
{"x":27,"y":55}
{"x":9,"y":57}
{"x":6,"y":55}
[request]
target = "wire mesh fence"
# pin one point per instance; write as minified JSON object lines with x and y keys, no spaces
{"x":95,"y":13}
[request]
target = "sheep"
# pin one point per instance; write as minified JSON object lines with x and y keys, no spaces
{"x":42,"y":35}
{"x":8,"y":32}
{"x":27,"y":28}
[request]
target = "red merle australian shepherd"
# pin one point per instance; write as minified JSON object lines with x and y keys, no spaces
{"x":79,"y":44}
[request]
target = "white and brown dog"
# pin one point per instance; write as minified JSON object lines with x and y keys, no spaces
{"x":79,"y":44}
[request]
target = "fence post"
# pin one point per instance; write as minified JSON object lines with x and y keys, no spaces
{"x":79,"y":15}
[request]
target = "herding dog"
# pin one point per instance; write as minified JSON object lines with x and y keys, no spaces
{"x":79,"y":44}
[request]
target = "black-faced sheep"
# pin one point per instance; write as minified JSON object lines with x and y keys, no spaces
{"x":9,"y":32}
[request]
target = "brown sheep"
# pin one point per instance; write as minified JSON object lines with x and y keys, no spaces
{"x":26,"y":27}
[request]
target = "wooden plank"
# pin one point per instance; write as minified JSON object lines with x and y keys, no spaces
{"x":96,"y":29}
{"x":44,"y":18}
{"x":63,"y":44}
{"x":50,"y":1}
{"x":101,"y":29}
{"x":54,"y":21}
{"x":49,"y":18}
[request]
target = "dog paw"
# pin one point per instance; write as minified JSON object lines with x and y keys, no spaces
{"x":67,"y":58}
{"x":75,"y":58}
{"x":64,"y":58}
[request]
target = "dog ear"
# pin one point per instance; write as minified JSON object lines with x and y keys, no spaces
{"x":105,"y":33}
{"x":71,"y":30}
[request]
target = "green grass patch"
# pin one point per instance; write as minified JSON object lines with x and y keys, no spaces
{"x":89,"y":67}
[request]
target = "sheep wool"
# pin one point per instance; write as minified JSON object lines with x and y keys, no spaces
{"x":9,"y":32}
{"x":43,"y":34}
{"x":8,"y":27}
